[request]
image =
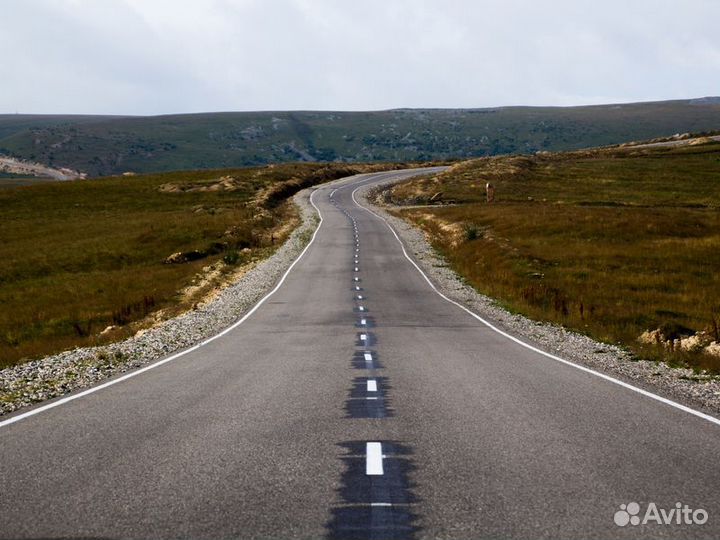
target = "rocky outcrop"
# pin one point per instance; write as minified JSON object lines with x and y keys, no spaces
{"x":17,"y":166}
{"x":681,"y":341}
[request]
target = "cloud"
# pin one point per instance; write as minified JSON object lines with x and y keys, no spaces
{"x":161,"y":56}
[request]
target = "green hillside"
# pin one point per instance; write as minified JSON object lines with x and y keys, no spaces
{"x":610,"y":242}
{"x":80,"y":256}
{"x":111,"y":145}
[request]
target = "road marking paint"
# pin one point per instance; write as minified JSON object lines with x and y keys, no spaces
{"x":363,"y":337}
{"x":359,"y":297}
{"x":357,"y":287}
{"x":73,"y":397}
{"x":372,"y":385}
{"x":380,"y":504}
{"x":357,"y":269}
{"x":363,"y":322}
{"x":361,"y":308}
{"x":333,"y":192}
{"x":607,"y":378}
{"x":371,"y":398}
{"x":374,"y":459}
{"x":356,"y":279}
{"x":368,"y":357}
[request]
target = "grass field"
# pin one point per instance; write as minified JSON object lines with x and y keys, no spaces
{"x":111,"y":145}
{"x":611,"y":243}
{"x":77,"y":257}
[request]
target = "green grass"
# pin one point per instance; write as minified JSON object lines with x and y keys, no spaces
{"x":14,"y":180}
{"x":112,"y":145}
{"x":610,"y":243}
{"x":79,"y":256}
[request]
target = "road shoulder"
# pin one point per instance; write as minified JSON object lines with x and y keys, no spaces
{"x":60,"y":374}
{"x":678,"y":384}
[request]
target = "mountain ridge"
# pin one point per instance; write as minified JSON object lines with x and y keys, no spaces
{"x":110,"y":145}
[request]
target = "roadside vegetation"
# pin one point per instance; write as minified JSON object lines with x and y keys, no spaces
{"x":90,"y":261}
{"x":622,"y":243}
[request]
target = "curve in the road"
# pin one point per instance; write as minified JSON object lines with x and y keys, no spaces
{"x":522,"y":343}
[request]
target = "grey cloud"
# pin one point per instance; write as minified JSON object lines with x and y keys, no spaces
{"x":161,"y":56}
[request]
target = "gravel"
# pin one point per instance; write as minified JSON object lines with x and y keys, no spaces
{"x":59,"y":374}
{"x":700,"y":391}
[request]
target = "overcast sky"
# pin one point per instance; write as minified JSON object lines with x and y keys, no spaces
{"x":167,"y":56}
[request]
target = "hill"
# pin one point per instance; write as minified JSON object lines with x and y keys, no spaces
{"x":124,"y":252}
{"x":620,"y":243}
{"x":112,"y":145}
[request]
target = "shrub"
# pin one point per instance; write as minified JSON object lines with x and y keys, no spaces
{"x":232,"y":257}
{"x":471,"y":232}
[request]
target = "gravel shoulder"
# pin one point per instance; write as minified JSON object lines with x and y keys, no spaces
{"x":61,"y":374}
{"x":699,"y":391}
{"x":56,"y":375}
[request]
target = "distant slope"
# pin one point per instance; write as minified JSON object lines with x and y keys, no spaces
{"x":12,"y":166}
{"x":111,"y":145}
{"x":14,"y":123}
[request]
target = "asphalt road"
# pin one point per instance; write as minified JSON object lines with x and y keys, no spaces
{"x":394,"y":415}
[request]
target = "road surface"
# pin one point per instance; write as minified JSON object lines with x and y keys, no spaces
{"x":357,"y":403}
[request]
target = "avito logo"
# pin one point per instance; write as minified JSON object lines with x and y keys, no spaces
{"x":681,"y":514}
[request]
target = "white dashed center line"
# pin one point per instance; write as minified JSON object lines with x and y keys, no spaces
{"x":363,"y":337}
{"x":363,"y":322}
{"x":374,"y":459}
{"x":372,"y":385}
{"x":361,"y":308}
{"x":368,"y":357}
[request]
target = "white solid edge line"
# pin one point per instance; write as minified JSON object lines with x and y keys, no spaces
{"x":380,"y":504}
{"x":132,"y":374}
{"x":608,"y":378}
{"x":372,"y":385}
{"x":374,"y":459}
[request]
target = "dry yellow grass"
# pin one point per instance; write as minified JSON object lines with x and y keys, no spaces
{"x":610,"y":243}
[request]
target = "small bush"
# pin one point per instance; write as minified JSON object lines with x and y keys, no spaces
{"x":471,"y":232}
{"x":231,"y":257}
